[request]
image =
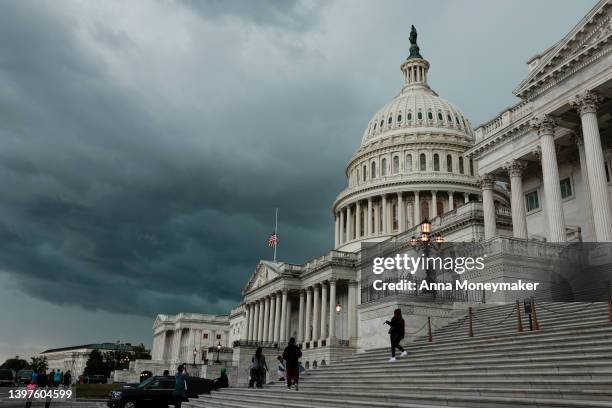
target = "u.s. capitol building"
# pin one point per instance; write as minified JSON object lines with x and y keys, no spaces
{"x":537,"y":173}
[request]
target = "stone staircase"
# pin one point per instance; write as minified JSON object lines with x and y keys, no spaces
{"x":567,"y":363}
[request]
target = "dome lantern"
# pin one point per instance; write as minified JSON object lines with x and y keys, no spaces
{"x":415,"y":67}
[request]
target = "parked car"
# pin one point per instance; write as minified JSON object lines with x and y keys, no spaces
{"x":95,"y":379}
{"x":155,"y":392}
{"x":24,"y":377}
{"x":7,"y":377}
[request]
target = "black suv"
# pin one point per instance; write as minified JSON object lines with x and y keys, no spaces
{"x":155,"y":392}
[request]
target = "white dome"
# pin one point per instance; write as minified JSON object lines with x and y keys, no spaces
{"x":417,"y":109}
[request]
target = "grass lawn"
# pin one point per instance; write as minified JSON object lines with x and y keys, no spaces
{"x":97,"y":391}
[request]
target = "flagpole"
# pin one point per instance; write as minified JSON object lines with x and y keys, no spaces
{"x":276,"y":232}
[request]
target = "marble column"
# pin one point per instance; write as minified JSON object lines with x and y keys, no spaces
{"x":401,"y":212}
{"x":545,"y":126}
{"x":384,"y":214}
{"x":300,"y":338}
{"x":260,"y":325}
{"x":433,"y":208}
{"x":283,"y":332}
{"x":357,"y":219}
{"x":336,"y":230}
{"x":308,"y":318}
{"x":369,"y":218}
{"x":349,"y":223}
{"x":277,"y":317}
{"x":519,"y":217}
{"x":332,"y":311}
{"x":323,"y":318}
{"x":316,"y":312}
{"x":417,"y":208}
{"x":288,"y":320}
{"x":490,"y":226}
{"x":247,"y":319}
{"x":376,"y":226}
{"x":587,"y":104}
{"x":252,"y":331}
{"x":588,"y":235}
{"x":342,"y":226}
{"x":451,"y":203}
{"x":352,"y":312}
{"x":266,"y":319}
{"x":256,"y":322}
{"x":271,"y":337}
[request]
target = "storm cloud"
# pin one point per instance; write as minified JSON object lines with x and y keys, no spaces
{"x":145,"y":145}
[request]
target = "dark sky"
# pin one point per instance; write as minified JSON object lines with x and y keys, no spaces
{"x":144,"y":145}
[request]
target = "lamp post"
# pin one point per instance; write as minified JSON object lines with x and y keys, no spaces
{"x":426,"y":242}
{"x":195,"y":352}
{"x":218,"y":351}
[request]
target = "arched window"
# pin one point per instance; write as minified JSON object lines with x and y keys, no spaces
{"x":382,"y":122}
{"x":373,"y":170}
{"x":429,"y":115}
{"x":409,"y":116}
{"x":440,"y":208}
{"x":374,"y":126}
{"x":471,"y":167}
{"x":440,"y":116}
{"x":399,"y":117}
{"x":396,"y":164}
{"x":420,"y":115}
{"x":424,"y":210}
{"x":383,"y":167}
{"x":448,"y":116}
{"x":408,"y":162}
{"x":422,"y":162}
{"x":365,"y":168}
{"x":461,"y":170}
{"x":449,"y":163}
{"x":436,"y":162}
{"x":390,"y":119}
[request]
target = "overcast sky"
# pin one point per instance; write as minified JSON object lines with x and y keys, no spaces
{"x":144,"y":145}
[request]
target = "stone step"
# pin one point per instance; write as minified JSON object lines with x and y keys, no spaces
{"x":306,"y":399}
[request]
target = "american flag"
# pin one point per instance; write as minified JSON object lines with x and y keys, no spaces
{"x":273,"y":240}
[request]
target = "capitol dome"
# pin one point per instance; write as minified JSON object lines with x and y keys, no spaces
{"x":409,"y":166}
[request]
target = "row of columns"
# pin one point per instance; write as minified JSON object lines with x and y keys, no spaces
{"x":592,"y":165}
{"x":267,"y":318}
{"x":379,"y":214}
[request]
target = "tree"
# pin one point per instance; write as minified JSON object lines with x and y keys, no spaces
{"x":15,"y":364}
{"x":95,"y":364}
{"x":141,"y":353}
{"x":39,"y":363}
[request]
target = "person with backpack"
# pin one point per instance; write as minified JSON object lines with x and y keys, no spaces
{"x":396,"y":333}
{"x":258,"y":369}
{"x":292,"y":355}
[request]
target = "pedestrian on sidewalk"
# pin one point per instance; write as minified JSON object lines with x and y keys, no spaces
{"x":292,"y":355}
{"x":180,"y":386}
{"x":67,"y":379}
{"x":280,"y":370}
{"x":258,"y":369}
{"x":396,"y":333}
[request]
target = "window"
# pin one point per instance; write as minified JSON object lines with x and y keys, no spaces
{"x":218,"y":337}
{"x":429,"y":115}
{"x":449,"y":163}
{"x":424,"y":210}
{"x":364,"y":172}
{"x":420,"y":115}
{"x":566,"y":188}
{"x":383,"y":167}
{"x":440,"y":116}
{"x":375,"y":126}
{"x":423,"y":162}
{"x":399,"y":117}
{"x":408,"y":162}
{"x":439,"y":208}
{"x":396,"y":166}
{"x":409,"y":116}
{"x":436,"y":162}
{"x":461,"y":170}
{"x":205,"y":335}
{"x":448,"y":116}
{"x":532,"y":200}
{"x":373,"y":172}
{"x":390,"y":119}
{"x":457,"y":120}
{"x":471,"y":167}
{"x":382,"y":122}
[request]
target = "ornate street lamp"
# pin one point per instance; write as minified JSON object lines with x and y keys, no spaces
{"x":426,"y":242}
{"x":218,"y":351}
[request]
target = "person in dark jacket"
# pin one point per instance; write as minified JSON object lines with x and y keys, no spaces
{"x":396,"y":333}
{"x":222,"y":381}
{"x":180,"y":392}
{"x":292,"y":355}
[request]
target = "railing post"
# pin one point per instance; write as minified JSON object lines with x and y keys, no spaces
{"x":519,"y":323}
{"x":429,"y":337}
{"x":471,"y":333}
{"x":536,"y":325}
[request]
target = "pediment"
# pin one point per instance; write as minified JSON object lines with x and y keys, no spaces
{"x":588,"y":35}
{"x":265,"y":272}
